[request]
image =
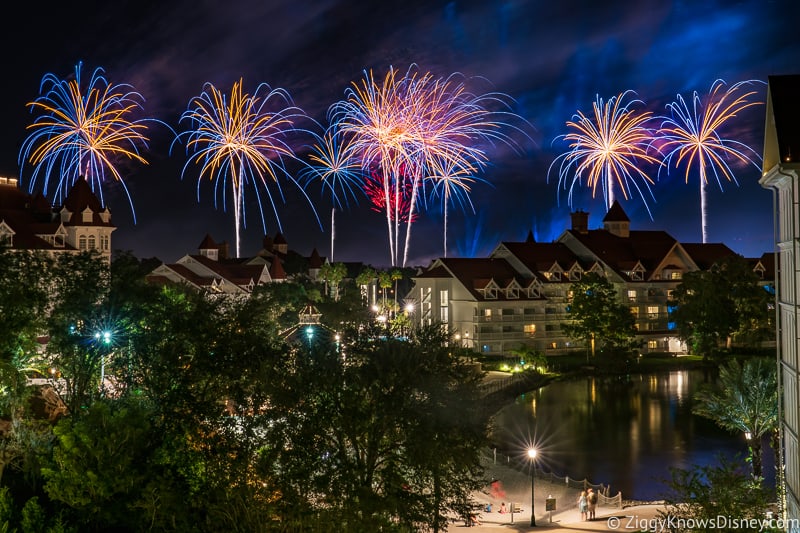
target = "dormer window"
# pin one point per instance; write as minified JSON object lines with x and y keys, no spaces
{"x":6,"y":235}
{"x":512,"y":293}
{"x":87,"y":215}
{"x":575,"y":274}
{"x":490,"y":293}
{"x":553,"y":276}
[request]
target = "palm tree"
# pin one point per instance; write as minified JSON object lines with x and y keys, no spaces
{"x":384,"y":282}
{"x":364,"y":278}
{"x":396,"y":274}
{"x":333,"y":274}
{"x":745,"y":399}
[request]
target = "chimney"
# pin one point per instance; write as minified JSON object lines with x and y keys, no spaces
{"x":580,"y":221}
{"x":224,"y":250}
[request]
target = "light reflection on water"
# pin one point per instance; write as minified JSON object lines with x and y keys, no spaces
{"x":624,"y":431}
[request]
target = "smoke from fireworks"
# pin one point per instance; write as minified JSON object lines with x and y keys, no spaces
{"x":83,"y":129}
{"x":241,"y":139}
{"x":691,"y":136}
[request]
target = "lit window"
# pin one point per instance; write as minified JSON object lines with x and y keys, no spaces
{"x":632,"y":295}
{"x":652,"y":311}
{"x":529,"y":329}
{"x":652,"y":345}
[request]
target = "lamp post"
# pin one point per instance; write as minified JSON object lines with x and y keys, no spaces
{"x":105,"y":338}
{"x":532,"y":456}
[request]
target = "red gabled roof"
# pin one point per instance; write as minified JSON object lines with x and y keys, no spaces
{"x":476,"y":273}
{"x":80,"y":198}
{"x":705,"y":255}
{"x":315,"y":261}
{"x":207,"y":243}
{"x":541,"y":256}
{"x":616,"y":214}
{"x":650,"y":248}
{"x":276,"y":270}
{"x":232,"y":270}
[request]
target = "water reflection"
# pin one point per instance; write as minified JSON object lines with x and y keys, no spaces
{"x":627,"y":431}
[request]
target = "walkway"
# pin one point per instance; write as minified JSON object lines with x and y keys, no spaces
{"x":566,"y":517}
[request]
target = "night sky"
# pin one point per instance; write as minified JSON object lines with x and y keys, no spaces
{"x":552,"y":58}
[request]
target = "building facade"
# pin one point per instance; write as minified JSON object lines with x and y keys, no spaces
{"x":29,"y":222}
{"x":518,"y":295}
{"x":211,"y":270}
{"x":781,"y":169}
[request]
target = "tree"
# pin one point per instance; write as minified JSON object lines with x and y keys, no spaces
{"x":99,"y":462}
{"x":703,"y":494}
{"x":744,"y":399}
{"x":384,"y":282}
{"x":363,"y":280}
{"x":333,"y":273}
{"x":396,"y":275}
{"x":709,"y":306}
{"x":599,"y":317}
{"x":389,"y":434}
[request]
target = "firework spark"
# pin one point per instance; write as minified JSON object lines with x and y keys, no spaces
{"x":240,"y":139}
{"x":608,"y":148}
{"x":83,"y":129}
{"x":413,"y":126}
{"x":453,"y":185}
{"x":331,"y":162}
{"x":690,"y":136}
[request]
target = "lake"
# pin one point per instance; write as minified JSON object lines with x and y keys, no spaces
{"x":623,"y":431}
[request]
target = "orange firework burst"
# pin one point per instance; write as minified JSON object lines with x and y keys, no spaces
{"x":607,"y":148}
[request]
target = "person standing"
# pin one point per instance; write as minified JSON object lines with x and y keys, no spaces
{"x":591,"y":501}
{"x":583,"y":505}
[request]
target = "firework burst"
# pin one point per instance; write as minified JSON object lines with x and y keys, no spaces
{"x":413,"y":126}
{"x":83,"y":128}
{"x":453,"y":185}
{"x":331,"y":162}
{"x":607,"y":148}
{"x":691,"y":137}
{"x":240,"y":138}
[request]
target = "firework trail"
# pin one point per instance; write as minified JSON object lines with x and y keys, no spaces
{"x":607,"y":148}
{"x":413,"y":126}
{"x":455,"y":184}
{"x":240,"y":138}
{"x":691,"y":137}
{"x":331,"y":161}
{"x":83,"y":127}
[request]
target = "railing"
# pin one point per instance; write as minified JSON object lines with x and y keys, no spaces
{"x":603,"y":491}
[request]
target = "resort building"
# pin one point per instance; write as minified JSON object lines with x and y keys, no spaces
{"x":780,"y":174}
{"x":213,"y":271}
{"x":518,"y":295}
{"x":30,"y":222}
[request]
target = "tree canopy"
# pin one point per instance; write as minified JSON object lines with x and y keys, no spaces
{"x":709,"y":306}
{"x":598,"y":316}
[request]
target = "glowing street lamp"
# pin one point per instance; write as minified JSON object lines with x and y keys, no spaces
{"x":532,"y":457}
{"x":105,"y":338}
